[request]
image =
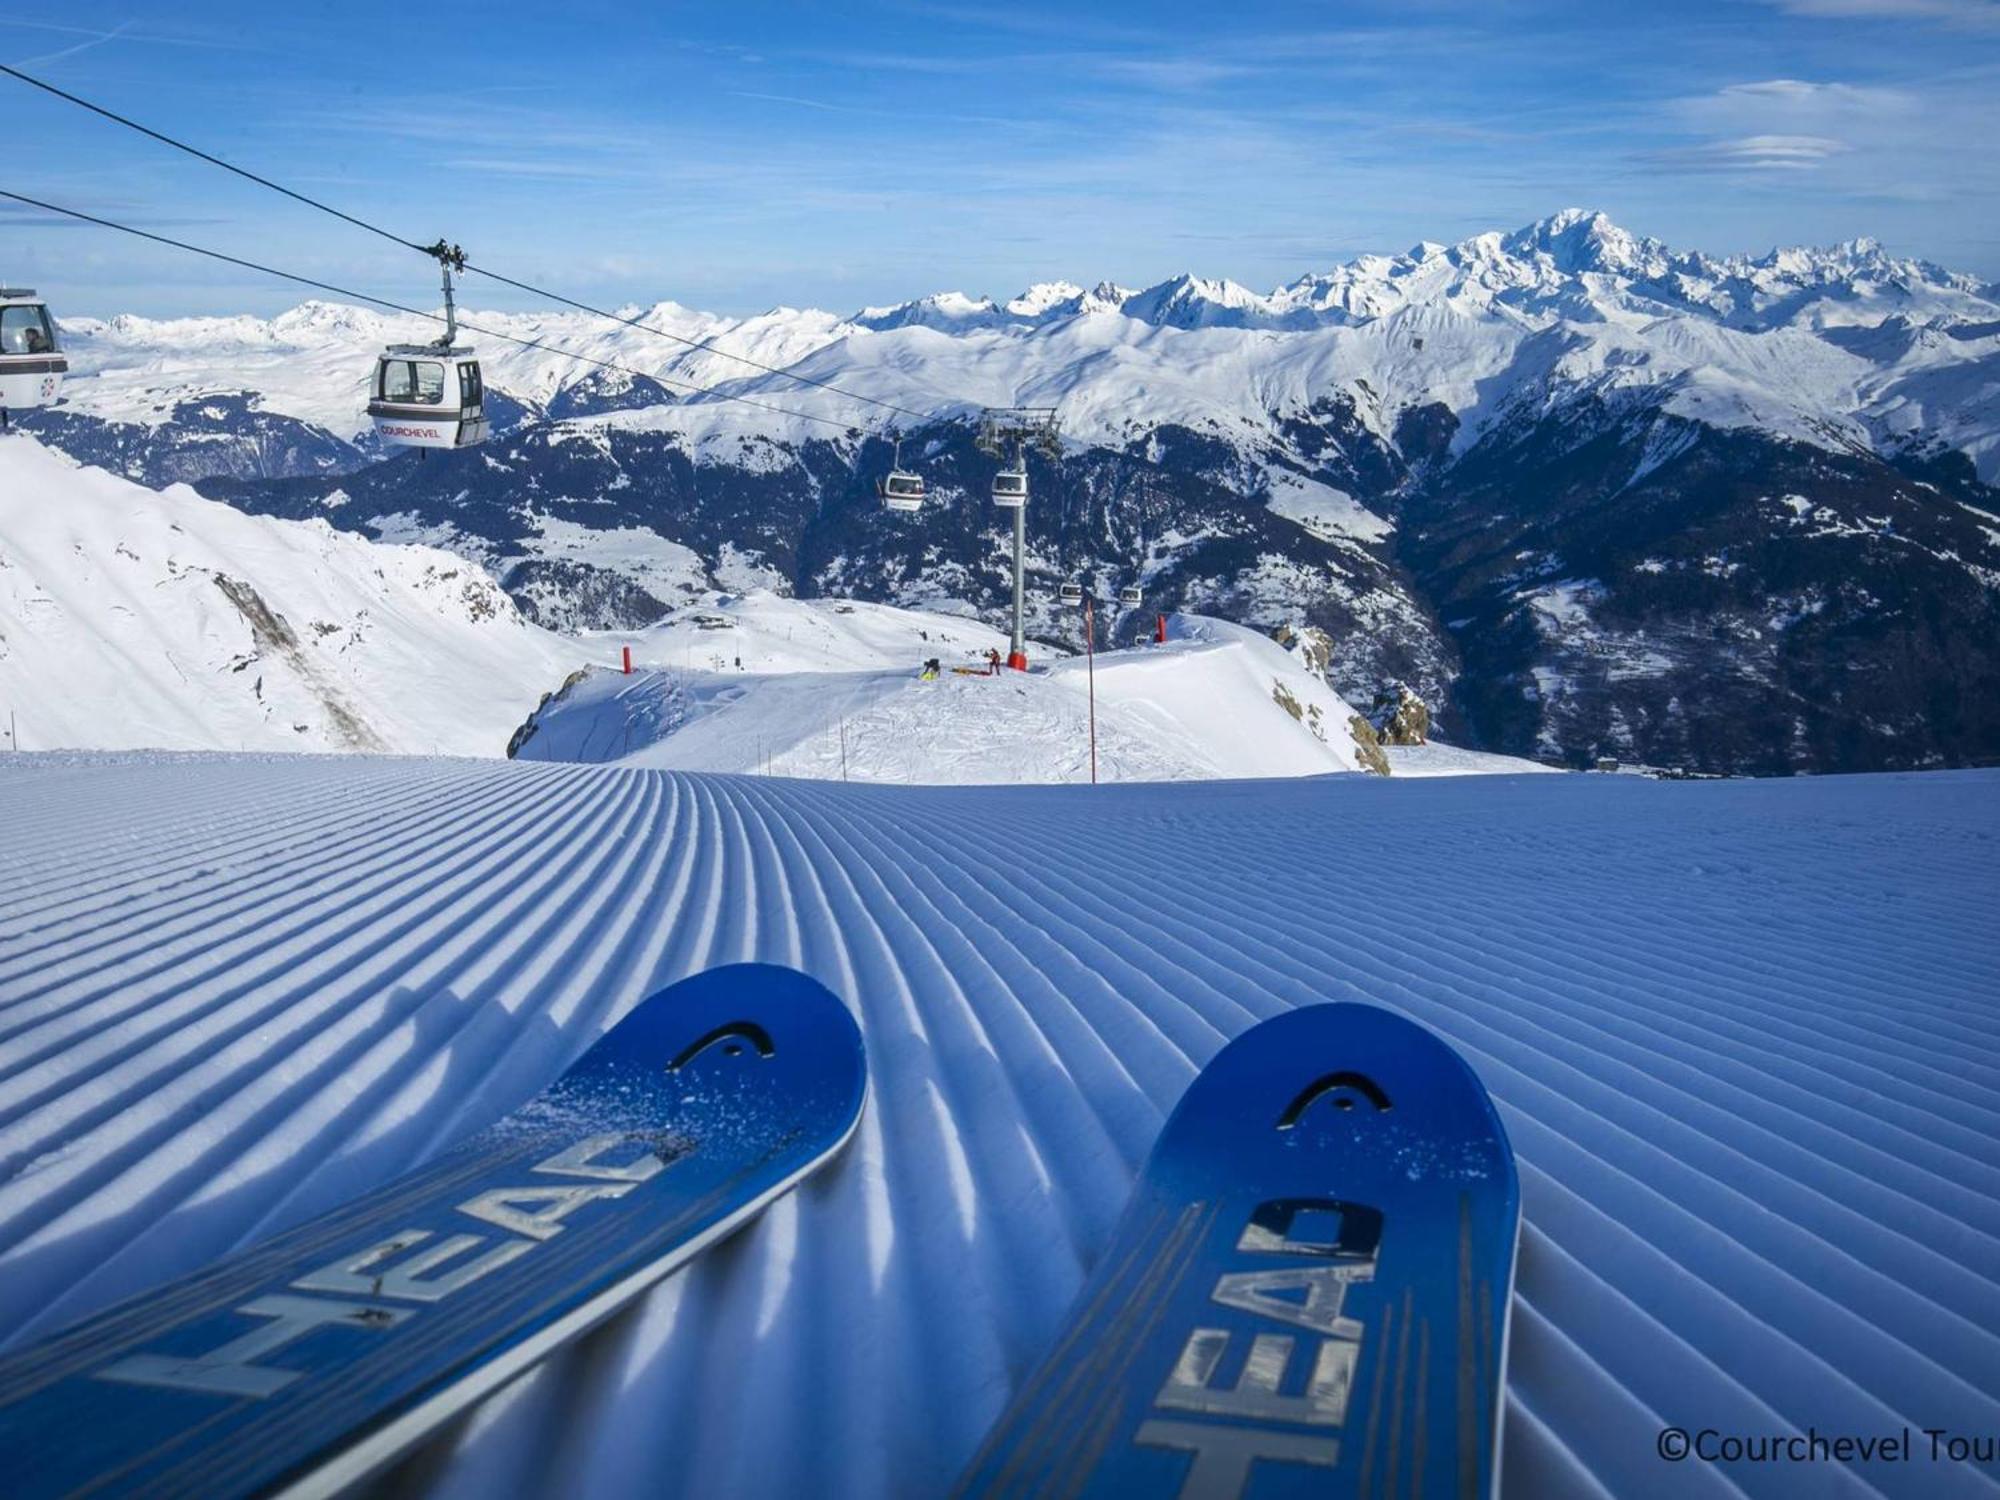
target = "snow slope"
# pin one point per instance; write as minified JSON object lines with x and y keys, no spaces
{"x":1742,"y":1035}
{"x":1440,"y":759}
{"x":758,"y":631}
{"x":315,"y":361}
{"x":1215,"y":701}
{"x":130,"y":618}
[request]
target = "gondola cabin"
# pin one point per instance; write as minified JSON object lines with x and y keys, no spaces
{"x":428,"y":396}
{"x":31,"y":361}
{"x":901,"y":490}
{"x":1072,"y":593}
{"x":1130,"y":594}
{"x":1010,"y":488}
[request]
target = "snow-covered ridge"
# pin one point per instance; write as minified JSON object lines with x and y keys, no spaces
{"x":136,"y":619}
{"x":1534,"y":268}
{"x":1846,"y":345}
{"x":763,"y":685}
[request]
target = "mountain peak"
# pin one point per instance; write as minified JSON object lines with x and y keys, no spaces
{"x":1583,"y":239}
{"x":1564,"y":220}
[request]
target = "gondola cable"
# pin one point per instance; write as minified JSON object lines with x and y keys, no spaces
{"x":704,"y":345}
{"x":340,"y":291}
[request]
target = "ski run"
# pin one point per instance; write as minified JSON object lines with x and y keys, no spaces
{"x":1740,"y":1034}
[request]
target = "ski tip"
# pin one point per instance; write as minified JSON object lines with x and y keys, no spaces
{"x":1337,"y":1069}
{"x":731,"y":1023}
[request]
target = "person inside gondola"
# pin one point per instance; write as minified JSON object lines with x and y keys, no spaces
{"x":37,"y":341}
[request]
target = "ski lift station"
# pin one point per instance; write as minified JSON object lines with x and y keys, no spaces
{"x":31,"y":361}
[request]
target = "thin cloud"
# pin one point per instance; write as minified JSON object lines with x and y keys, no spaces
{"x":550,"y":168}
{"x":838,"y":109}
{"x":1173,"y":74}
{"x":1751,"y":153}
{"x":20,"y":215}
{"x":91,"y":40}
{"x":1977,"y":15}
{"x":1802,"y":94}
{"x":129,"y":31}
{"x":1063,"y":27}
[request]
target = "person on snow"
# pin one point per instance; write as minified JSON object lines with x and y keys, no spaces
{"x":931,"y":670}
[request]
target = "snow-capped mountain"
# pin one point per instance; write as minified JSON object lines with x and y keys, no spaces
{"x":1409,"y":451}
{"x":1823,"y":344}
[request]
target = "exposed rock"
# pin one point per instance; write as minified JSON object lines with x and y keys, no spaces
{"x":532,"y":723}
{"x":1400,"y":717}
{"x":1310,"y":644}
{"x":272,"y":633}
{"x":1367,"y":747}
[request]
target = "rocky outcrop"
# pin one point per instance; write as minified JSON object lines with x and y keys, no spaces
{"x":532,"y":723}
{"x":1400,"y":716}
{"x":1311,"y":645}
{"x":1368,"y":746}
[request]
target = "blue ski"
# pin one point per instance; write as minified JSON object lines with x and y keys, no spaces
{"x":310,"y":1361}
{"x":1307,"y":1295}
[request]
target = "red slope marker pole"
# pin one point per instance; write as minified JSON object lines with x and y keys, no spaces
{"x":628,"y":660}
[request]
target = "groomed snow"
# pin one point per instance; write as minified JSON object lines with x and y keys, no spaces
{"x":1742,"y":1034}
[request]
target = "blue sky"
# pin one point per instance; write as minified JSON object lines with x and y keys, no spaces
{"x":738,"y":156}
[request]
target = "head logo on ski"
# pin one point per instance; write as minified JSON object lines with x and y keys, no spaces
{"x":308,"y":1362}
{"x":1307,"y":1296}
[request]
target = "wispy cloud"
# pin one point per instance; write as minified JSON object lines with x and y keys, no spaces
{"x":21,"y":215}
{"x":838,"y":109}
{"x":1750,"y":153}
{"x":1840,"y":140}
{"x":1067,"y":26}
{"x":551,"y":168}
{"x":130,"y":32}
{"x":713,"y":156}
{"x":90,"y":39}
{"x":1174,"y":73}
{"x":1978,"y":15}
{"x":1777,"y":125}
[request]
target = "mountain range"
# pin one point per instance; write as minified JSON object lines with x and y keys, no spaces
{"x":1587,"y":494}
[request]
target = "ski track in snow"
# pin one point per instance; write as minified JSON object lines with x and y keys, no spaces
{"x":1742,"y":1034}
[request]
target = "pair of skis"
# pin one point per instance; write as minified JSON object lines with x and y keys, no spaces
{"x":1307,"y":1295}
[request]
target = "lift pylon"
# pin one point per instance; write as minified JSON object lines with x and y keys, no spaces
{"x":1008,"y":432}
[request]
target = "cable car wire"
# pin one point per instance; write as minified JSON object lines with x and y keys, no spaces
{"x":825,"y":385}
{"x":376,"y":229}
{"x":488,"y":333}
{"x":214,"y":161}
